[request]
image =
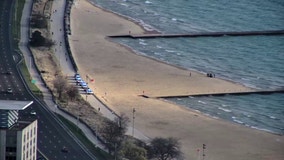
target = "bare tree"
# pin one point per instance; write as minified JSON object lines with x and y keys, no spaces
{"x":39,"y":21}
{"x":38,"y":40}
{"x":72,"y":92}
{"x":60,"y":84}
{"x":122,"y":122}
{"x":164,"y":148}
{"x":113,"y":132}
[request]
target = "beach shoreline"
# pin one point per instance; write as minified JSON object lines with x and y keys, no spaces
{"x":121,"y":76}
{"x":155,"y":31}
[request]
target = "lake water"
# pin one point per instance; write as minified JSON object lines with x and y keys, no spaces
{"x":254,"y":61}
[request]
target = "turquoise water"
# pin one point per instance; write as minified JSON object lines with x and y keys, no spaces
{"x":254,"y":61}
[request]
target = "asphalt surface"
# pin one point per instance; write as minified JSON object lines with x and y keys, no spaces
{"x":52,"y":134}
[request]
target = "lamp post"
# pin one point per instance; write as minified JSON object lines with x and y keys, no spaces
{"x":133,"y":117}
{"x":203,"y":154}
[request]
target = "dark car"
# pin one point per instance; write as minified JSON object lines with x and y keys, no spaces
{"x":65,"y":150}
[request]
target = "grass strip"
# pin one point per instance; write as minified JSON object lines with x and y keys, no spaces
{"x":26,"y":74}
{"x":100,"y":154}
{"x":16,"y":29}
{"x":16,"y":33}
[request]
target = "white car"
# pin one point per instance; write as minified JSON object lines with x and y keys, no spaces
{"x":77,"y":77}
{"x":79,"y":81}
{"x":89,"y":91}
{"x":9,"y":90}
{"x":33,"y":113}
{"x":83,"y":84}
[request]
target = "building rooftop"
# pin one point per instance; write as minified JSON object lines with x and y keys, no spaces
{"x":20,"y":125}
{"x":14,"y":105}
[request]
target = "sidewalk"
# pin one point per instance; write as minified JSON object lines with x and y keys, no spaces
{"x":56,"y":28}
{"x":35,"y":76}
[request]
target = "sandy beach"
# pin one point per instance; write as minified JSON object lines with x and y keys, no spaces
{"x":121,"y":76}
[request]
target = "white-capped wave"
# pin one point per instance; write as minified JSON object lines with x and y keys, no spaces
{"x":238,"y":121}
{"x":174,"y":19}
{"x":197,"y":111}
{"x":262,"y":129}
{"x":246,"y":79}
{"x":215,"y":117}
{"x":159,"y":46}
{"x":272,"y":117}
{"x":123,"y":4}
{"x":207,"y":114}
{"x":142,"y":43}
{"x":224,"y":109}
{"x":248,"y":115}
{"x":157,"y":53}
{"x":202,"y":102}
{"x":147,"y":27}
{"x":148,"y":2}
{"x":170,"y":51}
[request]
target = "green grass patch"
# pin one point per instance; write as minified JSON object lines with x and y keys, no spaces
{"x":16,"y":33}
{"x":28,"y":79}
{"x":100,"y":154}
{"x":16,"y":29}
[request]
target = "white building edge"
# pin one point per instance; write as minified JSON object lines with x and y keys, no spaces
{"x":18,"y":138}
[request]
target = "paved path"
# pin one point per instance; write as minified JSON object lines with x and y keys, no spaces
{"x":60,"y":50}
{"x":56,"y":27}
{"x":57,"y":31}
{"x":35,"y":76}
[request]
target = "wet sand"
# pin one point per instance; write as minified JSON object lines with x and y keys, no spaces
{"x":120,"y":76}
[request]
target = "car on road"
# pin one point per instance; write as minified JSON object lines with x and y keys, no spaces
{"x":33,"y":113}
{"x":9,"y":90}
{"x":89,"y":91}
{"x":64,"y":149}
{"x":7,"y":72}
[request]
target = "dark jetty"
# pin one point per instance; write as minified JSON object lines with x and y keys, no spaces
{"x":203,"y":34}
{"x":264,"y":92}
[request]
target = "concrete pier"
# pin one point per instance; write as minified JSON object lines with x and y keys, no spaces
{"x":263,"y":92}
{"x":202,"y":34}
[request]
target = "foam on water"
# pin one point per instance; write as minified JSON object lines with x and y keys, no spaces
{"x":148,"y":2}
{"x":202,"y":102}
{"x":142,"y":43}
{"x":224,"y":109}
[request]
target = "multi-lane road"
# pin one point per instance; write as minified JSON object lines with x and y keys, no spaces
{"x":52,"y":134}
